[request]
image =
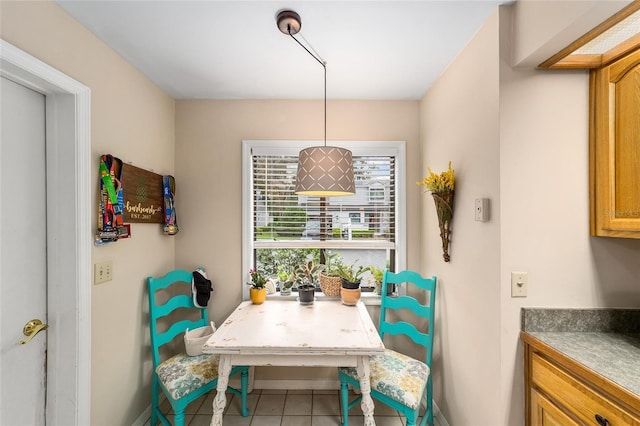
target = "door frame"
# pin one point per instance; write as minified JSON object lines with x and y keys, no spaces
{"x":69,"y":237}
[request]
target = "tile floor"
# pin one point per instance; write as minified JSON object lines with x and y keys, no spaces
{"x":284,"y":408}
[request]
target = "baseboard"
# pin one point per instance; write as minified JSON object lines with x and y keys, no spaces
{"x":143,"y":418}
{"x":297,"y":384}
{"x":438,"y":415}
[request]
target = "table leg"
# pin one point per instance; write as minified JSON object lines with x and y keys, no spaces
{"x":219,"y":402}
{"x":365,"y":388}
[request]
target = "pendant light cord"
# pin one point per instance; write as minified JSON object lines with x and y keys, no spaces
{"x":324,"y":66}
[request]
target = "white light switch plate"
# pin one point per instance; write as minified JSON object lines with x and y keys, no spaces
{"x":102,"y":272}
{"x":519,"y":283}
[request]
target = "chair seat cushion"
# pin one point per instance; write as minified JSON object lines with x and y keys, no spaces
{"x":397,"y":376}
{"x":182,"y":374}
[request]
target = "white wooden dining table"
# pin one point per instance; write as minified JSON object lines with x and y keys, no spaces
{"x":286,"y":333}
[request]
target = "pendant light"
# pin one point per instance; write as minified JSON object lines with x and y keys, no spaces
{"x":323,"y":171}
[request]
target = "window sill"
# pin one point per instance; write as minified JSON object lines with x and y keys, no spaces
{"x":368,"y":298}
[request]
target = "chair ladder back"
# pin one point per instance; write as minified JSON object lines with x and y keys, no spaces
{"x":418,"y":336}
{"x":409,"y":330}
{"x":176,"y":329}
{"x":156,"y":312}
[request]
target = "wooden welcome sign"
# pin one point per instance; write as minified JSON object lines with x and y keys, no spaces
{"x":142,"y":193}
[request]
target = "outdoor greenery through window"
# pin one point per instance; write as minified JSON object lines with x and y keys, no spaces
{"x":285,"y":229}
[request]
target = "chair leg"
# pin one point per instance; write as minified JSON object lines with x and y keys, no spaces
{"x":244,"y":384}
{"x":427,"y":419}
{"x":178,"y":418}
{"x":344,"y":398}
{"x":155,"y":407}
{"x":430,"y":400}
{"x":411,"y":416}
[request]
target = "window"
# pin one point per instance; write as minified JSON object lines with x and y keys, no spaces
{"x":376,"y":193}
{"x":282,"y":229}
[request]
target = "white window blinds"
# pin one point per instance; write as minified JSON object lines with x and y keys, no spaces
{"x":280,"y":215}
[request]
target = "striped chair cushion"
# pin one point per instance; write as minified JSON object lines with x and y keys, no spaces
{"x":182,"y":374}
{"x":397,"y":376}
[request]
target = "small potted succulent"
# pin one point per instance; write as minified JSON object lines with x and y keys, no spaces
{"x":286,"y":281}
{"x":306,"y":277}
{"x":376,"y":274}
{"x":258,"y":290}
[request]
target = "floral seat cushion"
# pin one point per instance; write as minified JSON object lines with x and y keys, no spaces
{"x":397,"y":376}
{"x":182,"y":374}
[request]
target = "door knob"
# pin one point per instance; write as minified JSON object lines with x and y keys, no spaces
{"x":32,"y":328}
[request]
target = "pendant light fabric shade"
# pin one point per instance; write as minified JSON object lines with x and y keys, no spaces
{"x":325,"y":171}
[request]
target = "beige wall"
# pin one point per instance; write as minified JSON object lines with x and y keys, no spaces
{"x":530,"y":156}
{"x":459,"y":123}
{"x":208,"y":161}
{"x":544,"y":191}
{"x":133,"y":120}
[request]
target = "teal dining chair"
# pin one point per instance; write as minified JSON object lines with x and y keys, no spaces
{"x":182,"y":378}
{"x":397,"y":380}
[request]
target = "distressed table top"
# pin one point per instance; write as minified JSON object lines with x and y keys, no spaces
{"x":287,"y":328}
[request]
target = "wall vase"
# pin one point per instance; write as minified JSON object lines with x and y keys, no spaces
{"x":444,"y":209}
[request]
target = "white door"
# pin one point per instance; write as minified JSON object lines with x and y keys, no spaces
{"x":23,"y":254}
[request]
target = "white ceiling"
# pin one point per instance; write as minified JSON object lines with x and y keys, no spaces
{"x":233,"y":49}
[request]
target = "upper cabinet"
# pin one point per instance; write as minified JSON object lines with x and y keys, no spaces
{"x":615,"y":148}
{"x":612,"y":39}
{"x":612,"y":52}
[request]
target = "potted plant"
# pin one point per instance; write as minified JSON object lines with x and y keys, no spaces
{"x":306,"y":279}
{"x":258,"y":290}
{"x":330,"y":281}
{"x":376,"y":273}
{"x":286,"y":281}
{"x":351,"y":277}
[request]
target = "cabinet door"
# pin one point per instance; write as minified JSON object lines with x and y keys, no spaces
{"x":615,"y":156}
{"x":545,"y":413}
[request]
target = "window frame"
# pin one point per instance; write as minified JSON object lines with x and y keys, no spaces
{"x":286,"y":147}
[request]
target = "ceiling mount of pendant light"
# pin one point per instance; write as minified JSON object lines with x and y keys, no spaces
{"x":323,"y":171}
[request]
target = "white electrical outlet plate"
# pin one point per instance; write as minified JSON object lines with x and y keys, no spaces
{"x":102,"y":272}
{"x":482,"y":209}
{"x":519,"y":283}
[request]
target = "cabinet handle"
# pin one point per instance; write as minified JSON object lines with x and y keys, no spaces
{"x":601,"y":420}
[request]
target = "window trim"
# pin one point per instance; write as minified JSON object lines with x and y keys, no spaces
{"x":286,"y":147}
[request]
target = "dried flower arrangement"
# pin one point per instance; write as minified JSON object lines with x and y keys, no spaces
{"x":441,"y":186}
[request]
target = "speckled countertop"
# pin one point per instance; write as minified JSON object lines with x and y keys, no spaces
{"x":606,"y":341}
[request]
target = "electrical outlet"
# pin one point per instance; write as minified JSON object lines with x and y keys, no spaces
{"x":102,"y":272}
{"x":519,"y":284}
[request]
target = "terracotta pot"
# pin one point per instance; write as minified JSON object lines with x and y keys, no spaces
{"x":350,"y":296}
{"x":257,"y":295}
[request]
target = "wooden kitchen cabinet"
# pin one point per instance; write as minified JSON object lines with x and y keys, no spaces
{"x":560,"y":391}
{"x":545,"y":412}
{"x":615,"y":148}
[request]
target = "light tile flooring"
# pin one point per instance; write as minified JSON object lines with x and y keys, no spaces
{"x":284,"y":408}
